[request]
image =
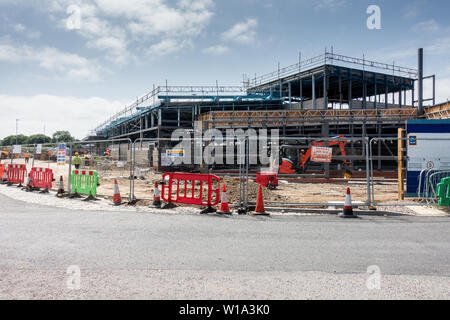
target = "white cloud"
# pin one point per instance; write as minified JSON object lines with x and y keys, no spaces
{"x":115,"y":49}
{"x":217,"y":50}
{"x":328,"y":4}
{"x":167,"y":47}
{"x":114,"y":26}
{"x":243,"y":33}
{"x":442,"y":89}
{"x":411,"y":11}
{"x":19,"y":27}
{"x":55,"y":112}
{"x":59,"y":64}
{"x":426,"y":26}
{"x":30,"y":34}
{"x":439,"y":46}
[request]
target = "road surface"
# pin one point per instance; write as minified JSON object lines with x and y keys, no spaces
{"x":52,"y":253}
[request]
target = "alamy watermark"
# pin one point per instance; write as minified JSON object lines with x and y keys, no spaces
{"x":74,"y":278}
{"x":212,"y":147}
{"x":373,"y":282}
{"x":374,"y":19}
{"x":73,"y":22}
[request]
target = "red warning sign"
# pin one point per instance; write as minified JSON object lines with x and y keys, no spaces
{"x":322,"y":154}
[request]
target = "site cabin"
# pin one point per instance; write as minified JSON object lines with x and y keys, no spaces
{"x":427,"y":149}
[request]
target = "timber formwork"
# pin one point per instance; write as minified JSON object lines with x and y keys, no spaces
{"x":438,"y":112}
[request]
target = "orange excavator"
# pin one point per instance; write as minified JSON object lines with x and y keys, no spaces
{"x":294,"y":158}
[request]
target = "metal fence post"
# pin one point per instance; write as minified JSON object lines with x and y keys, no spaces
{"x":247,"y":160}
{"x":132,"y":156}
{"x":69,"y":187}
{"x":369,"y":202}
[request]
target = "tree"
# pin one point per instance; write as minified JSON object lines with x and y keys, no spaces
{"x":62,"y":136}
{"x":38,"y":139}
{"x":11,"y":140}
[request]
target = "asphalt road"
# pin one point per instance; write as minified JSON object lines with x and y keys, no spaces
{"x":155,"y":256}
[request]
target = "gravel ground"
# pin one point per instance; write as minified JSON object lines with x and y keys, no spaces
{"x":104,"y":204}
{"x":76,"y":204}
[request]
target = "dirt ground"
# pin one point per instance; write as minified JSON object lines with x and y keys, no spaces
{"x":385,"y":192}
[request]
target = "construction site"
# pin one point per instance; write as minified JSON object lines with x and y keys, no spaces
{"x":350,"y":106}
{"x":232,"y":150}
{"x":304,"y":133}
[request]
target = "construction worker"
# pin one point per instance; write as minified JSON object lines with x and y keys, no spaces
{"x":76,"y":161}
{"x":27,"y":157}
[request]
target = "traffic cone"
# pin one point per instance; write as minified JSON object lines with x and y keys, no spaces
{"x":60,"y":193}
{"x":348,"y":207}
{"x":260,"y":203}
{"x":224,"y":208}
{"x":156,"y":197}
{"x":117,"y":199}
{"x":29,"y":187}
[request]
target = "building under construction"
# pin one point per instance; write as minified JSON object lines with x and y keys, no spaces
{"x":329,"y":95}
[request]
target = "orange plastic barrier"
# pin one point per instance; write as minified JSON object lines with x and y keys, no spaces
{"x":41,"y":178}
{"x":267,"y":179}
{"x":16,"y":173}
{"x":193,"y":189}
{"x":2,"y":171}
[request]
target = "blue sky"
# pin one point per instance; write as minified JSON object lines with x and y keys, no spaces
{"x":75,"y":78}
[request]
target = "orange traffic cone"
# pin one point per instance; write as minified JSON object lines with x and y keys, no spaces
{"x":156,"y":197}
{"x":260,"y":203}
{"x":60,"y":193}
{"x":348,"y":207}
{"x":117,"y":199}
{"x":224,"y":207}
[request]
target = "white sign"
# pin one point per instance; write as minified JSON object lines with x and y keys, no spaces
{"x":322,"y":154}
{"x":428,"y":154}
{"x":61,"y":156}
{"x":39,"y":149}
{"x":175,"y":153}
{"x":17,"y":149}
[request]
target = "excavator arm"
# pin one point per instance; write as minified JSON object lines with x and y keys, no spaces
{"x":288,"y":166}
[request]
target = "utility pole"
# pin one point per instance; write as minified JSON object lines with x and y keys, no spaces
{"x":17,"y":130}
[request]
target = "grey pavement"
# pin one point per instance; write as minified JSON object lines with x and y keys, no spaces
{"x":157,"y":256}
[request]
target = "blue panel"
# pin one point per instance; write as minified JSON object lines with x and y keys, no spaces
{"x":428,"y":126}
{"x":419,"y":128}
{"x":412,"y":183}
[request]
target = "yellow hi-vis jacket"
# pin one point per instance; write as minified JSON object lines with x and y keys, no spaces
{"x":76,"y":160}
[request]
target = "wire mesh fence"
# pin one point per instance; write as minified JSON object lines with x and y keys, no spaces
{"x":304,"y":179}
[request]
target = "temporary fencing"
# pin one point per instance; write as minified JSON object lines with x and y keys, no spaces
{"x":2,"y":171}
{"x":84,"y":182}
{"x":16,"y":173}
{"x":193,"y":189}
{"x":267,"y":179}
{"x":443,"y":192}
{"x":427,"y":180}
{"x":58,"y":157}
{"x":124,"y":160}
{"x":41,"y":178}
{"x":352,"y":154}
